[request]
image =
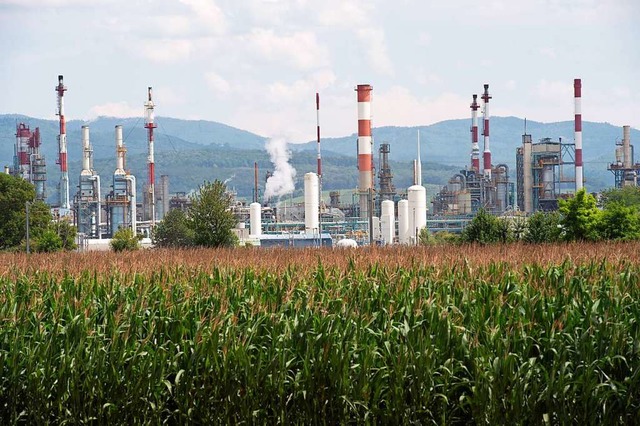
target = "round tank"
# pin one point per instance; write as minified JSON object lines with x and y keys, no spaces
{"x":403,"y":221}
{"x":311,"y":203}
{"x":255,"y":217}
{"x":417,"y":195}
{"x":388,"y":222}
{"x":464,"y":202}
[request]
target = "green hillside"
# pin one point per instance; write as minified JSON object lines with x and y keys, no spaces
{"x":192,"y":151}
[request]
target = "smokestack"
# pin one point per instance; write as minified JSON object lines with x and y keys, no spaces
{"x":120,"y":151}
{"x":62,"y":147}
{"x":255,"y":181}
{"x":486,"y":156}
{"x":86,"y":152}
{"x":626,"y":146}
{"x":365,"y":157}
{"x":419,"y":164}
{"x":577,"y":93}
{"x":150,"y":125}
{"x":475,"y":148}
{"x":318,"y":133}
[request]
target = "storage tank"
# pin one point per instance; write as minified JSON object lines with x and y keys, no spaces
{"x":311,"y":203}
{"x":403,"y":221}
{"x":255,"y":217}
{"x":417,"y":195}
{"x":388,"y":222}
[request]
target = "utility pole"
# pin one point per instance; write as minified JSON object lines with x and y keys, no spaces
{"x":27,"y":206}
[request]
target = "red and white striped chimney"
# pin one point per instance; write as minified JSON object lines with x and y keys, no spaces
{"x":486,"y":155}
{"x":150,"y":125}
{"x":475,"y":149}
{"x":577,"y":94}
{"x":62,"y":147}
{"x":365,"y":157}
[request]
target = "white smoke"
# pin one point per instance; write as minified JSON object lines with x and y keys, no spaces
{"x":281,"y":182}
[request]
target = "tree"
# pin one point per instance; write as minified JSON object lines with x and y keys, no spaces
{"x":124,"y":239}
{"x":485,"y":228}
{"x":619,"y":222}
{"x":627,"y":196}
{"x":580,"y":217}
{"x":210,"y":216}
{"x":174,"y":231}
{"x":543,"y":227}
{"x":48,"y":242}
{"x":14,"y":194}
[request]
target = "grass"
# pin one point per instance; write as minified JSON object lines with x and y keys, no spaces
{"x":517,"y":335}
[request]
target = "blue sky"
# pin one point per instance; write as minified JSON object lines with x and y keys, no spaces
{"x":256,"y":64}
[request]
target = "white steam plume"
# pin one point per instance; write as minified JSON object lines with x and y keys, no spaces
{"x":281,"y":182}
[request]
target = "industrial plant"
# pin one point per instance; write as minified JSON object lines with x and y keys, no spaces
{"x":546,"y":170}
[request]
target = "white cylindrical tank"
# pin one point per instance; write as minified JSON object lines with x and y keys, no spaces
{"x":255,"y":217}
{"x":417,"y":195}
{"x":403,"y":221}
{"x":388,"y":222}
{"x":311,"y":203}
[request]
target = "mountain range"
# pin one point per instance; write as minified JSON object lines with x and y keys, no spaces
{"x":191,"y":152}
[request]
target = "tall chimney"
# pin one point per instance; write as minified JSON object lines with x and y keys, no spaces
{"x":486,"y":155}
{"x":475,"y":149}
{"x":365,"y":157}
{"x":577,"y":93}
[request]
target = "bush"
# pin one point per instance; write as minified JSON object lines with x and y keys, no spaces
{"x":485,"y":228}
{"x":123,"y":240}
{"x":543,"y":228}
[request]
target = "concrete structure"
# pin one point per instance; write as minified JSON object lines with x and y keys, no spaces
{"x":365,"y":144}
{"x":121,"y":202}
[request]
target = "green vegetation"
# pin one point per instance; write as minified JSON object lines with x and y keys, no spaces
{"x":124,"y":240}
{"x":210,"y":218}
{"x":493,"y":344}
{"x":174,"y":231}
{"x":543,"y":227}
{"x":485,"y":228}
{"x":44,"y":234}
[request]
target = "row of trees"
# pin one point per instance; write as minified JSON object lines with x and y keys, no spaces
{"x":579,"y":218}
{"x":46,"y":235}
{"x":208,"y":222}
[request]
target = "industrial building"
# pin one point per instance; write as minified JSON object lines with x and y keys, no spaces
{"x":548,"y":170}
{"x":474,"y":188}
{"x":625,"y":170}
{"x":28,"y":162}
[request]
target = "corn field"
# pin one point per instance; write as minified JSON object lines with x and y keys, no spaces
{"x":449,"y":335}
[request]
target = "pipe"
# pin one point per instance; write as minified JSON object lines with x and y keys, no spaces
{"x":98,"y":197}
{"x":120,"y":151}
{"x":485,"y":132}
{"x":132,"y":203}
{"x":419,"y":164}
{"x":86,"y":152}
{"x":577,"y":93}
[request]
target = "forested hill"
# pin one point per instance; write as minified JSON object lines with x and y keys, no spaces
{"x":191,"y":151}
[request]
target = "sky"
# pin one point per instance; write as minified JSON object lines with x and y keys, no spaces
{"x":257,"y":64}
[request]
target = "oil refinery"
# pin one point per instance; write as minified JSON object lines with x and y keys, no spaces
{"x":546,"y":170}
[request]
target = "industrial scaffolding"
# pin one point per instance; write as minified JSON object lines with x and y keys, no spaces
{"x":545,"y":172}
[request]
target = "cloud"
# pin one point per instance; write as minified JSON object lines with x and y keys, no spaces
{"x":300,"y":49}
{"x":398,"y":106}
{"x":374,"y":43}
{"x":166,"y":50}
{"x":217,"y":83}
{"x":208,"y":13}
{"x":114,"y":109}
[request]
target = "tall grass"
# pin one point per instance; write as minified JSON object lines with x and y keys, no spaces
{"x":374,"y":336}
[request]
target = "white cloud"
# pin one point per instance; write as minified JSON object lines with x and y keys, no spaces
{"x":165,"y":50}
{"x":217,"y":83}
{"x":114,"y":109}
{"x":374,"y":43}
{"x":300,"y":49}
{"x":398,"y":106}
{"x":548,"y":52}
{"x":208,"y":13}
